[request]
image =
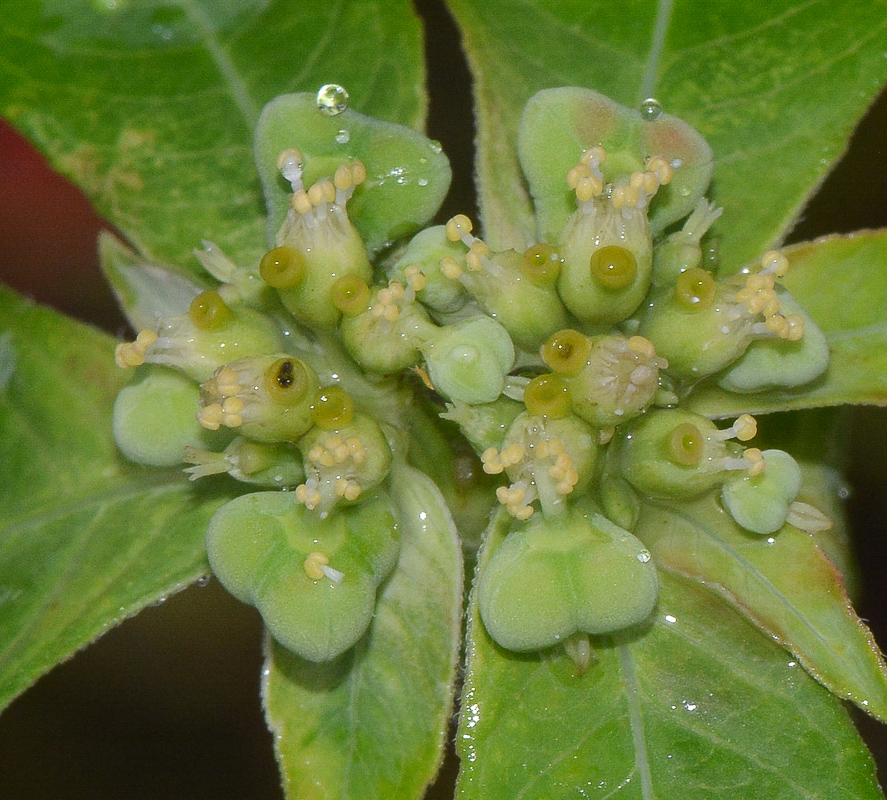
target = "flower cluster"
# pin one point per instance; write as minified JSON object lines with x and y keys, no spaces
{"x":565,"y":362}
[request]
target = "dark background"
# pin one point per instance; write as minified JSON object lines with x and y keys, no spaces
{"x":166,"y":705}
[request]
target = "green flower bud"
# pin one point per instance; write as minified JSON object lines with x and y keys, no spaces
{"x":269,"y":398}
{"x":521,"y":298}
{"x":675,"y":453}
{"x":386,"y":336}
{"x":468,"y":361}
{"x":422,"y":266}
{"x":681,"y":250}
{"x":313,"y":580}
{"x":618,"y":381}
{"x":554,"y":577}
{"x":545,"y":460}
{"x":268,"y":464}
{"x":316,"y":245}
{"x":154,"y":418}
{"x":702,"y":326}
{"x":210,"y":335}
{"x":342,"y":464}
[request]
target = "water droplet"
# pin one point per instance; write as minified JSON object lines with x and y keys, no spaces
{"x":343,"y":137}
{"x":332,"y":99}
{"x":651,"y":109}
{"x":670,"y":618}
{"x":203,"y":580}
{"x":644,"y":556}
{"x":422,"y":182}
{"x":435,"y":147}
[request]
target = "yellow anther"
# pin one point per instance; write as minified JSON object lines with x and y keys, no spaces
{"x":588,"y":187}
{"x":745,"y":427}
{"x":232,"y":405}
{"x":774,"y":262}
{"x":755,"y":460}
{"x":314,"y":564}
{"x":778,"y":325}
{"x":522,"y":512}
{"x":227,"y":382}
{"x":491,"y":462}
{"x":343,"y":179}
{"x":415,"y":278}
{"x":651,"y":183}
{"x":661,"y":168}
{"x":316,"y":194}
{"x":329,"y":191}
{"x":642,"y":346}
{"x":450,"y":268}
{"x":576,"y":174}
{"x":309,"y":497}
{"x":637,"y":180}
{"x":513,"y":454}
{"x":132,"y":354}
{"x":358,"y":172}
{"x":457,"y":227}
{"x":301,"y":203}
{"x":795,"y":327}
{"x":211,"y":416}
{"x":315,"y":454}
{"x":289,"y":156}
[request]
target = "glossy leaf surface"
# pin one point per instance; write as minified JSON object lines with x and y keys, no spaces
{"x":696,"y":705}
{"x":150,"y":106}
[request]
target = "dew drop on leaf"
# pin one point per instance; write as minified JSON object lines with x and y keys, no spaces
{"x":332,"y":99}
{"x":651,"y":109}
{"x":343,"y":137}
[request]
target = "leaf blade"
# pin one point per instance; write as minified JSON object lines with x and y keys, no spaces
{"x":150,"y":107}
{"x":87,"y":539}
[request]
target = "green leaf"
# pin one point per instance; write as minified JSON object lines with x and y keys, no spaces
{"x":85,"y":538}
{"x":775,"y":88}
{"x":373,"y":723}
{"x":699,"y":706}
{"x":150,"y":106}
{"x":841,"y":281}
{"x":785,"y":583}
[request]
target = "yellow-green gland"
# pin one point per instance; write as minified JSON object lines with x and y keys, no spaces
{"x":547,"y":396}
{"x":282,"y":268}
{"x":566,"y":352}
{"x":613,"y":267}
{"x":209,"y":312}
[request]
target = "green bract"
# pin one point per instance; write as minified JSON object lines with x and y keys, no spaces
{"x":314,"y":580}
{"x":559,"y":124}
{"x":573,"y":573}
{"x":407,"y":175}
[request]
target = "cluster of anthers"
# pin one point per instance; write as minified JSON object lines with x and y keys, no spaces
{"x":524,"y":464}
{"x":758,"y":295}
